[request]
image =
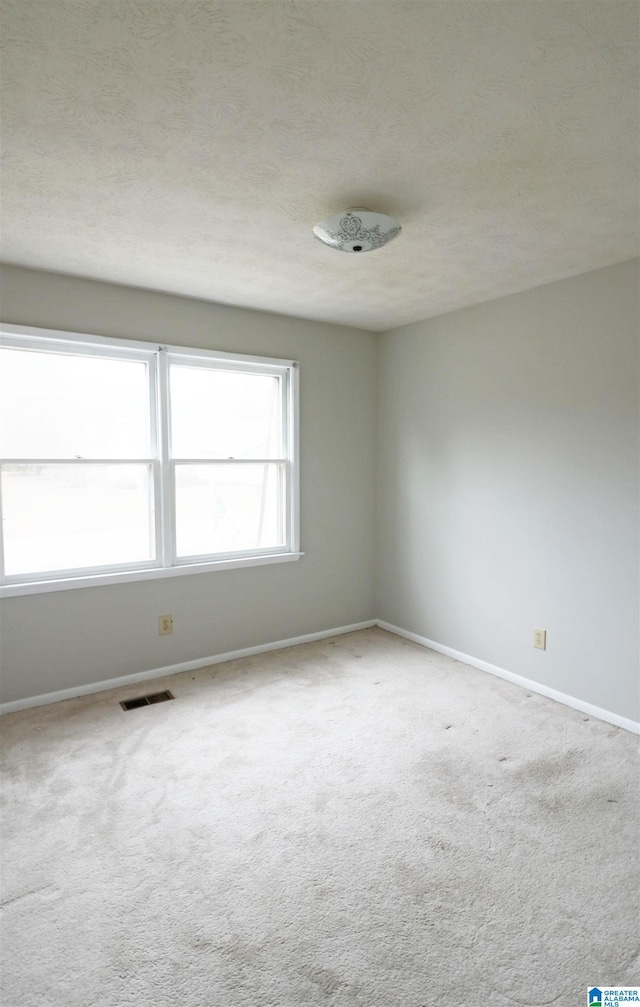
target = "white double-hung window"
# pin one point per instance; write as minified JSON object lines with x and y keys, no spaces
{"x":126,"y":460}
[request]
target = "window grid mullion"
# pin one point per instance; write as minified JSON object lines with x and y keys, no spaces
{"x":78,"y":461}
{"x":291,"y":424}
{"x":155,"y":490}
{"x":167,"y":501}
{"x":229,"y":461}
{"x":285,"y":471}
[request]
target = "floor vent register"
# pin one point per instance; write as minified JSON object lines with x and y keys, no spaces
{"x":155,"y":697}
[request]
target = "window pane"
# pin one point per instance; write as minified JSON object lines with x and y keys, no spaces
{"x":227,"y":508}
{"x":63,"y":405}
{"x":224,"y":414}
{"x":59,"y":517}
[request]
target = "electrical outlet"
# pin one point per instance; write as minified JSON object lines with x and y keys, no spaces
{"x":540,"y":639}
{"x":165,"y":625}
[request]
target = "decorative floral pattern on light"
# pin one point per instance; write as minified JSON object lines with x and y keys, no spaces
{"x":351,"y":231}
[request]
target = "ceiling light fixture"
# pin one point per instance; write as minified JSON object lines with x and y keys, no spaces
{"x":357,"y":230}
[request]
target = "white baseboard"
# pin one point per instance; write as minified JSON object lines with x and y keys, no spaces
{"x":526,"y":683}
{"x":175,"y":669}
{"x":204,"y":662}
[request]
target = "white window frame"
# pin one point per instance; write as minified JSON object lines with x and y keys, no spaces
{"x":158,"y":358}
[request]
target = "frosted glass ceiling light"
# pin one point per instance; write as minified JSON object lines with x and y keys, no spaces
{"x":357,"y":230}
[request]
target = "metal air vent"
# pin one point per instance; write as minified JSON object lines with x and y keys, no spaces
{"x":155,"y":697}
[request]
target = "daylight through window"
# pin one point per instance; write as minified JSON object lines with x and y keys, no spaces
{"x":122,"y":457}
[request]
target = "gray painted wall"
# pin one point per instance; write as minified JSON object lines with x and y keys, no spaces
{"x":507,"y":492}
{"x":70,"y":638}
{"x":508,"y":483}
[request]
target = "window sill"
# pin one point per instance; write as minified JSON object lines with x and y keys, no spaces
{"x":133,"y":576}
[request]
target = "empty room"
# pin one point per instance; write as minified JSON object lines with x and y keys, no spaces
{"x":320,"y":500}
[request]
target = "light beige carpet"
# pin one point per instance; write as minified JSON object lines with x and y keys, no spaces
{"x":357,"y":822}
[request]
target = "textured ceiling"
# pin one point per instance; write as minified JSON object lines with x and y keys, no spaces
{"x":191,"y":145}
